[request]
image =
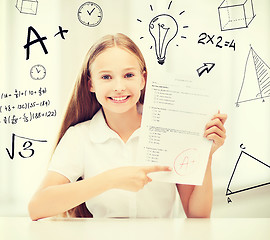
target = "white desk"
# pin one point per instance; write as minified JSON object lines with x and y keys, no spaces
{"x":129,"y":229}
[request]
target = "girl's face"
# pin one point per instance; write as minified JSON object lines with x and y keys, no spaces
{"x":117,"y":80}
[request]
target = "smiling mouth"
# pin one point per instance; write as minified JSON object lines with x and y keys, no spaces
{"x":120,"y":99}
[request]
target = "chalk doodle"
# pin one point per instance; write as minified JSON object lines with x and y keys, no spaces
{"x":256,"y":80}
{"x":39,"y":39}
{"x":27,"y":6}
{"x":61,"y":32}
{"x":186,"y":161}
{"x":90,"y":14}
{"x":235,"y":14}
{"x":29,"y":116}
{"x":25,"y":145}
{"x":27,"y":110}
{"x":38,"y":72}
{"x":218,"y":41}
{"x":24,"y":93}
{"x":248,"y":173}
{"x":163,"y":28}
{"x":207,"y":67}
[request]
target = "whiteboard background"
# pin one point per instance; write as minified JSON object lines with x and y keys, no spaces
{"x":247,"y":124}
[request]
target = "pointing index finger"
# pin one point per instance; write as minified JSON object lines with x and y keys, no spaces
{"x":150,"y":169}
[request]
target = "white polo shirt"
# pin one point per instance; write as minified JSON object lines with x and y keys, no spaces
{"x":90,"y":148}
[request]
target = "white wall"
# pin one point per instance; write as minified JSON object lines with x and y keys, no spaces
{"x":247,"y":124}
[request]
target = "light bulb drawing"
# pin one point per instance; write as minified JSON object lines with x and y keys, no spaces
{"x":163,"y":29}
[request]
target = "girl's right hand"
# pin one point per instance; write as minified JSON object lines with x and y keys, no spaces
{"x":132,"y":178}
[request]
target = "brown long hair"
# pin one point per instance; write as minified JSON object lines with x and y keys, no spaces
{"x":83,"y":104}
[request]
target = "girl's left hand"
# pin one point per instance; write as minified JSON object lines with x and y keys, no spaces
{"x":215,"y":131}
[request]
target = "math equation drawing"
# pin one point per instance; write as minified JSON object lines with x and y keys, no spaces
{"x":256,"y":80}
{"x":249,"y":173}
{"x":235,"y":14}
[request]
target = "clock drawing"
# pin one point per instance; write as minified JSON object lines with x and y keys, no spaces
{"x":90,"y":14}
{"x":37,"y":72}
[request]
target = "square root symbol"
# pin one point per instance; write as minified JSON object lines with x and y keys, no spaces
{"x":235,"y":14}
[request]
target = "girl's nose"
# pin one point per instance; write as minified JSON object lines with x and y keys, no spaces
{"x":119,"y":85}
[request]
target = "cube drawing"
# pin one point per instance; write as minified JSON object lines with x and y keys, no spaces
{"x":235,"y":14}
{"x":27,"y":6}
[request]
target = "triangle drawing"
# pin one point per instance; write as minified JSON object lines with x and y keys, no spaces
{"x":249,"y":173}
{"x":256,"y":80}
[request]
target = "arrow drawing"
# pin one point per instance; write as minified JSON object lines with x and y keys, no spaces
{"x":206,"y":67}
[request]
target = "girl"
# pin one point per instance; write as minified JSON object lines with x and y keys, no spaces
{"x":98,"y":140}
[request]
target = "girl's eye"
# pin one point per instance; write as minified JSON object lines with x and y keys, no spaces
{"x":106,"y":77}
{"x":129,"y":75}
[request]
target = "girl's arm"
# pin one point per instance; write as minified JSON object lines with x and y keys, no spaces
{"x":197,"y":200}
{"x":57,"y":195}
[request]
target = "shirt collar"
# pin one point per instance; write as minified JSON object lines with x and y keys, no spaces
{"x":100,"y":131}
